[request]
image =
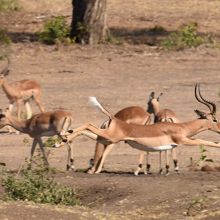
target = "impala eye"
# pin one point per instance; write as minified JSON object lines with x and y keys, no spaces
{"x":215,"y":120}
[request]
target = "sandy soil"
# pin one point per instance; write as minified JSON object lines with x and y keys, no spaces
{"x":120,"y":76}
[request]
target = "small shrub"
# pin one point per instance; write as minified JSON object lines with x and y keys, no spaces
{"x":203,"y":157}
{"x":37,"y":185}
{"x":4,"y":38}
{"x":185,"y":37}
{"x":53,"y":141}
{"x":9,"y":5}
{"x":55,"y":30}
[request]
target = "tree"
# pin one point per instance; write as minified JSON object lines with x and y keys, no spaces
{"x":89,"y":24}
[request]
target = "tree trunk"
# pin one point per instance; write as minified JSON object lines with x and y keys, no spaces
{"x":89,"y":21}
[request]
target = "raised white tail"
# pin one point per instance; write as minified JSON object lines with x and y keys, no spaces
{"x":93,"y":101}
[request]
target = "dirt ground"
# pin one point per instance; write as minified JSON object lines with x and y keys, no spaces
{"x":119,"y":76}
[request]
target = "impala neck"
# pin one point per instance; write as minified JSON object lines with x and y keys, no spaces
{"x":156,"y":107}
{"x":196,"y":126}
{"x":18,"y":125}
{"x":9,"y":91}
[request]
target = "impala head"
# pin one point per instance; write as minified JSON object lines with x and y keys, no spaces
{"x":5,"y":71}
{"x":213,"y":123}
{"x":153,"y":102}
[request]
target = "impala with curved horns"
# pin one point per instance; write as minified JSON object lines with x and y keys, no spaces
{"x":20,"y":92}
{"x":156,"y":137}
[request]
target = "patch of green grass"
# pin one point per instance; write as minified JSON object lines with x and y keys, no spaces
{"x":186,"y":37}
{"x":55,"y":30}
{"x":9,"y":5}
{"x":53,"y":141}
{"x":37,"y":185}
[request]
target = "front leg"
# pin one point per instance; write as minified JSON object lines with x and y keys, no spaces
{"x":198,"y":142}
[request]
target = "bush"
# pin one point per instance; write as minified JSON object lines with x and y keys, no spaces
{"x":9,"y":5}
{"x":53,"y":141}
{"x":37,"y":185}
{"x":186,"y":37}
{"x":55,"y":30}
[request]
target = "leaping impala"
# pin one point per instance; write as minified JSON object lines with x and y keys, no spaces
{"x":160,"y":115}
{"x":156,"y":137}
{"x":20,"y":92}
{"x":133,"y":114}
{"x":136,"y":115}
{"x":42,"y":124}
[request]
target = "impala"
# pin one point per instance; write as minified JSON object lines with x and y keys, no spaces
{"x":42,"y":124}
{"x":133,"y":114}
{"x":160,"y":136}
{"x":20,"y":92}
{"x":160,"y":115}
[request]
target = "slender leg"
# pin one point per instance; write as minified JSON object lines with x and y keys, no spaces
{"x":39,"y":104}
{"x":28,"y":109}
{"x":19,"y":109}
{"x":106,"y":152}
{"x":197,"y":142}
{"x":99,"y":150}
{"x":167,"y":163}
{"x":10,"y":108}
{"x":42,"y":150}
{"x":70,"y":160}
{"x":93,"y":133}
{"x":33,"y":147}
{"x":175,"y":161}
{"x":148,"y":163}
{"x":140,"y":163}
{"x":160,"y":163}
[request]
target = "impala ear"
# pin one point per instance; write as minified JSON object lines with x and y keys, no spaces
{"x":152,"y":94}
{"x":158,"y":98}
{"x":201,"y":114}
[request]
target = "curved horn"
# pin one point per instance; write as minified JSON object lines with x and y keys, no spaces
{"x":199,"y":99}
{"x":213,"y":110}
{"x":5,"y":70}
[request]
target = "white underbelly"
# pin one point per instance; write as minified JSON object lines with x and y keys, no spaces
{"x":150,"y":148}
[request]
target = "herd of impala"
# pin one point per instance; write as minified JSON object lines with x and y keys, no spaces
{"x":132,"y":125}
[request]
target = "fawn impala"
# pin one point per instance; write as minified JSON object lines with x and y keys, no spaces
{"x":133,"y":114}
{"x":42,"y":124}
{"x":160,"y":136}
{"x":21,"y":92}
{"x":160,"y":115}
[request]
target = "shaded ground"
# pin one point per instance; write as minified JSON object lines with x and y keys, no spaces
{"x":119,"y":76}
